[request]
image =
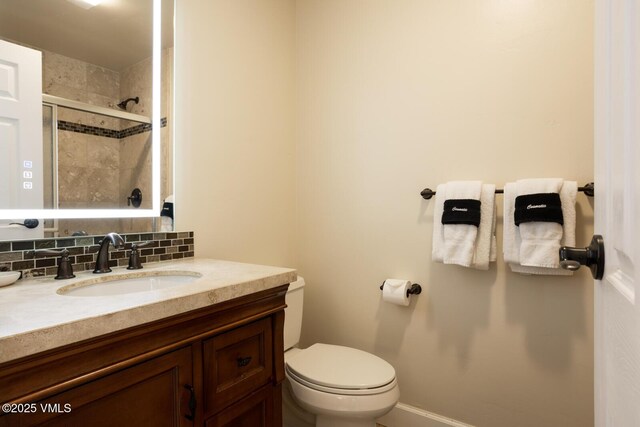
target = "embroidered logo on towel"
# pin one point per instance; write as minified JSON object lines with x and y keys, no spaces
{"x":539,"y":207}
{"x":461,"y":211}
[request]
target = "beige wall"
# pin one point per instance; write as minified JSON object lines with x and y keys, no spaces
{"x":235,"y":152}
{"x":386,"y":98}
{"x":395,"y":96}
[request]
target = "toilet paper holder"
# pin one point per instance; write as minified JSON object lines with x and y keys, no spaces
{"x":414,"y":290}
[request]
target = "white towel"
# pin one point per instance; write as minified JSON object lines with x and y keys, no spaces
{"x":476,"y":253}
{"x":512,"y":240}
{"x":166,"y":223}
{"x":493,"y":252}
{"x":460,"y":239}
{"x":437,"y":243}
{"x":540,"y":240}
{"x":486,"y":240}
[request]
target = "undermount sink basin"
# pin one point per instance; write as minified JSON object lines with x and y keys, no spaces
{"x":129,"y":283}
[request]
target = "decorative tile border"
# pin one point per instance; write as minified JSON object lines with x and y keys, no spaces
{"x":19,"y":255}
{"x":108,"y":133}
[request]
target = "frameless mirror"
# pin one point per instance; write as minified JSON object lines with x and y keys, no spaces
{"x":102,"y":110}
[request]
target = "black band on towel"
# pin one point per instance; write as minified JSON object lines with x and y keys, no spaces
{"x":540,"y":207}
{"x":461,"y":211}
{"x":167,"y":209}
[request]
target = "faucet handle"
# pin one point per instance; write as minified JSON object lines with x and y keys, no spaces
{"x":141,"y":245}
{"x":134,"y":256}
{"x":65,"y":268}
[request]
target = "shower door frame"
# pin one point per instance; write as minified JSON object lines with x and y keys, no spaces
{"x":54,"y":164}
{"x":95,"y":109}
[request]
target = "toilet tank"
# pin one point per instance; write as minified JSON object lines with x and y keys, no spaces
{"x":293,"y":313}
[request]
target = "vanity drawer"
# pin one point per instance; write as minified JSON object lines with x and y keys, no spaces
{"x":236,"y":363}
{"x":255,"y":410}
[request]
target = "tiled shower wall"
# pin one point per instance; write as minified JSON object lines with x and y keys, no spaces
{"x":22,"y":255}
{"x":96,"y":169}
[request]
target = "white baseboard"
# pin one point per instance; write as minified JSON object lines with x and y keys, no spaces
{"x":408,"y":416}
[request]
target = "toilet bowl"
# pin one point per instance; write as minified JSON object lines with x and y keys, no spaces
{"x":330,"y":385}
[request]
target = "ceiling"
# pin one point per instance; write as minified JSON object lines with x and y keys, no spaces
{"x":114,"y":34}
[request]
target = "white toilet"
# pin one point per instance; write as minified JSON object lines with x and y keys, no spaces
{"x":330,"y":385}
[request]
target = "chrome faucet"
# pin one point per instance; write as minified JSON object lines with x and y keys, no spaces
{"x":102,"y":261}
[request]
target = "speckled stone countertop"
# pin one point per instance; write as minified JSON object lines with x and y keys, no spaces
{"x":34,"y":317}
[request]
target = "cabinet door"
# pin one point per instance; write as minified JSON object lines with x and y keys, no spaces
{"x":236,"y":363}
{"x":255,"y":410}
{"x":151,"y":393}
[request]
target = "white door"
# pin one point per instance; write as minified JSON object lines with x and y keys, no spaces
{"x":617,"y":211}
{"x":21,"y":169}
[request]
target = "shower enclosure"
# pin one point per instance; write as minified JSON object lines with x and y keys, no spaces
{"x":95,"y":157}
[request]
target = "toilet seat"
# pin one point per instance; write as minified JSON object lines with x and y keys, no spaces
{"x":342,"y":391}
{"x":341,"y":370}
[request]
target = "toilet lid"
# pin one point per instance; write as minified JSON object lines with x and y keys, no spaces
{"x":341,"y":367}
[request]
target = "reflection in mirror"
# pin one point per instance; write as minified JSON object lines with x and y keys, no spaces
{"x":96,"y":109}
{"x":97,"y":165}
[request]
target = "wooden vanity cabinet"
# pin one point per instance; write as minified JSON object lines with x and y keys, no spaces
{"x":219,"y":366}
{"x":148,"y":393}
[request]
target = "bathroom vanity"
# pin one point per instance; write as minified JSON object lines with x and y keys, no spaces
{"x":206,"y":353}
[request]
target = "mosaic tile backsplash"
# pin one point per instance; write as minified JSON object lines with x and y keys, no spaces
{"x":108,"y":133}
{"x":22,"y":255}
